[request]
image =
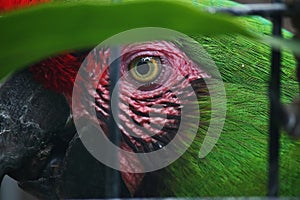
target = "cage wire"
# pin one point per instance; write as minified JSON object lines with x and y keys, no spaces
{"x":274,"y":98}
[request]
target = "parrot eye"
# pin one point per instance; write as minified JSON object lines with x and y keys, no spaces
{"x":145,"y":69}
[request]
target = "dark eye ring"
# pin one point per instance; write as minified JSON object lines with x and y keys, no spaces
{"x":145,"y":69}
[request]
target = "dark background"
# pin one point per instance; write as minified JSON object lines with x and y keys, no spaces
{"x":286,"y":22}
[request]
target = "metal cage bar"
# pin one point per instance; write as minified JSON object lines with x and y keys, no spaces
{"x":274,"y":122}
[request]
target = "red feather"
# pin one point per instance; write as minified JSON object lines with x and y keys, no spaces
{"x":6,"y":5}
{"x":58,"y":73}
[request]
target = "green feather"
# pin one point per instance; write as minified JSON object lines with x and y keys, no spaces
{"x":237,"y":166}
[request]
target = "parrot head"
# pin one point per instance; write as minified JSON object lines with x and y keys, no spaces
{"x":157,"y":80}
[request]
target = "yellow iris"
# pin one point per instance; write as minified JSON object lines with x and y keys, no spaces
{"x":145,"y":69}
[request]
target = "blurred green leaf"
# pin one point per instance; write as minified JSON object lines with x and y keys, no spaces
{"x":280,"y":43}
{"x":29,"y":35}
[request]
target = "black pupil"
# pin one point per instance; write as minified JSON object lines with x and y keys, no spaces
{"x":143,"y":67}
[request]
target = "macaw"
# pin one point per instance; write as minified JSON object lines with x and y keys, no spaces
{"x":41,"y":148}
